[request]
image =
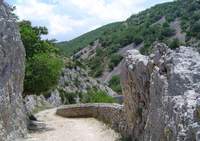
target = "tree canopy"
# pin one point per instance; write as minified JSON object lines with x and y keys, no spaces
{"x":43,"y":65}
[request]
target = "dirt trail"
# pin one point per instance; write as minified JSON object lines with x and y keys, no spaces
{"x":64,"y":129}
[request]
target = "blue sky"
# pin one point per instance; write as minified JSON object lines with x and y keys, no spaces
{"x":67,"y":19}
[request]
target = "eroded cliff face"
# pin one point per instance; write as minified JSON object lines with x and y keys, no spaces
{"x":162,"y":94}
{"x":76,"y":80}
{"x":12,"y":58}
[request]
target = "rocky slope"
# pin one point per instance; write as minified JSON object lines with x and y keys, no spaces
{"x":162,"y":94}
{"x":72,"y":80}
{"x":12,"y":58}
{"x":77,"y":80}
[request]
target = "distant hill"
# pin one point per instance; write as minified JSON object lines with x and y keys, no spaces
{"x":70,"y":47}
{"x":174,"y":23}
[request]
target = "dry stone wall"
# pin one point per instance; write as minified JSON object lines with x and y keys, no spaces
{"x":112,"y":114}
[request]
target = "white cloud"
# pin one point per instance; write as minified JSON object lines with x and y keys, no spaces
{"x":62,"y":24}
{"x":38,"y":11}
{"x":65,"y":24}
{"x":33,"y":9}
{"x":110,"y":11}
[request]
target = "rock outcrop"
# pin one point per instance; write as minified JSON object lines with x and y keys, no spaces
{"x":77,"y":80}
{"x":87,"y":52}
{"x":34,"y":103}
{"x":12,"y":58}
{"x":162,"y":94}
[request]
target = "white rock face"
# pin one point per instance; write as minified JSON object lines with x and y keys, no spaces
{"x":34,"y":103}
{"x":77,"y":80}
{"x":55,"y":99}
{"x":162,"y":94}
{"x":12,"y":59}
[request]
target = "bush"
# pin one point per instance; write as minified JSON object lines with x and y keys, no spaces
{"x":68,"y":98}
{"x":96,"y":66}
{"x":98,"y":72}
{"x":137,"y":40}
{"x":99,"y":51}
{"x":114,"y":60}
{"x":195,"y":29}
{"x":115,"y":84}
{"x":42,"y":73}
{"x":174,"y":44}
{"x":168,"y":32}
{"x":96,"y":96}
{"x":146,"y":49}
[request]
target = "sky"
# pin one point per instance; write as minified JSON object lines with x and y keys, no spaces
{"x":67,"y":19}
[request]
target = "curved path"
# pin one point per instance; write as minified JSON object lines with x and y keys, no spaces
{"x":65,"y":129}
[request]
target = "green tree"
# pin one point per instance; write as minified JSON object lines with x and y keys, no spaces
{"x":43,"y":65}
{"x":42,"y":73}
{"x":31,"y":38}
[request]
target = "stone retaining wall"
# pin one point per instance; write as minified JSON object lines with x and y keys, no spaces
{"x":111,"y":114}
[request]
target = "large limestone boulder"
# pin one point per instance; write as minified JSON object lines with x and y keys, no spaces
{"x":12,"y":58}
{"x":162,"y":94}
{"x":34,"y":103}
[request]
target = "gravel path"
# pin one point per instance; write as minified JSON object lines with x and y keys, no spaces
{"x":64,"y":129}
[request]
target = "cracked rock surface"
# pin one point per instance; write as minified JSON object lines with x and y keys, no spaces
{"x":162,"y":94}
{"x":12,"y":59}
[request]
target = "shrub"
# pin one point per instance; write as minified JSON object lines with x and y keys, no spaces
{"x":146,"y":49}
{"x":137,"y":40}
{"x":114,"y":60}
{"x":96,"y":96}
{"x":68,"y":98}
{"x":115,"y":84}
{"x":174,"y":44}
{"x":99,"y":51}
{"x":42,"y":73}
{"x":98,"y":72}
{"x":168,"y":32}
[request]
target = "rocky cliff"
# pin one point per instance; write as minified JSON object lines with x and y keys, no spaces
{"x":76,"y":79}
{"x":162,"y":94}
{"x":12,"y":58}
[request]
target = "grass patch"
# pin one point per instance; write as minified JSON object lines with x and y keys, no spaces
{"x":97,"y":96}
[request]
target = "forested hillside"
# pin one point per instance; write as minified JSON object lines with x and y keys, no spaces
{"x":174,"y":23}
